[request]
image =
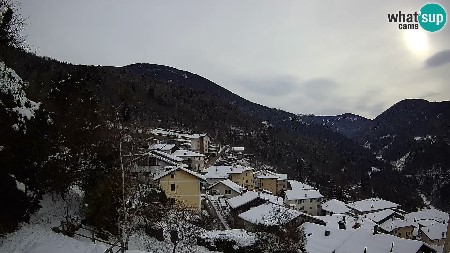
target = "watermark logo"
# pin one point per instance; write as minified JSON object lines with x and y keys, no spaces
{"x":431,"y":17}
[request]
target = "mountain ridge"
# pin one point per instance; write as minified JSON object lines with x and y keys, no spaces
{"x":161,"y":96}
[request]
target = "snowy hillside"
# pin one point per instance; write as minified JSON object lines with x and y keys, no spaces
{"x":14,"y":98}
{"x":37,"y":236}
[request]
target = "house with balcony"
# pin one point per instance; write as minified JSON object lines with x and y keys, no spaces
{"x":270,"y":181}
{"x":182,"y":185}
{"x":226,"y":188}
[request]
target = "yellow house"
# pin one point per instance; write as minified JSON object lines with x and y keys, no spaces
{"x":182,"y":185}
{"x":397,"y":227}
{"x":271,"y":181}
{"x":268,"y":184}
{"x":433,"y":234}
{"x":241,"y":175}
{"x":243,"y":178}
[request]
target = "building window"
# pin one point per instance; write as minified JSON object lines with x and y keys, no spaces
{"x":172,"y":187}
{"x":399,"y":234}
{"x":302,"y":208}
{"x":311,"y":200}
{"x":318,"y":207}
{"x":246,"y":181}
{"x":310,"y":207}
{"x":227,"y":192}
{"x":172,"y":175}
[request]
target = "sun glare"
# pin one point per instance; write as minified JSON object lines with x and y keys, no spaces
{"x":417,"y":42}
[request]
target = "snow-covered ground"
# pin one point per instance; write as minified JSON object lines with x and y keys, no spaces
{"x":38,"y":237}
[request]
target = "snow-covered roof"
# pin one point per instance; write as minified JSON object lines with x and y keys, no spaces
{"x":428,"y":214}
{"x":296,"y":185}
{"x":165,"y":173}
{"x":250,"y":196}
{"x":224,"y":171}
{"x":167,"y":132}
{"x":162,"y":146}
{"x":345,"y":241}
{"x":186,"y":153}
{"x":269,"y":214}
{"x":390,"y":225}
{"x":196,"y":136}
{"x":350,"y":222}
{"x":165,"y":156}
{"x":302,"y":194}
{"x":436,"y":231}
{"x":238,"y":149}
{"x":215,"y":175}
{"x":267,"y":174}
{"x":380,"y":215}
{"x":372,"y":205}
{"x":230,"y":184}
{"x":335,"y":206}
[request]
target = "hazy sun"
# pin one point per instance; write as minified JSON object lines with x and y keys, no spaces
{"x":417,"y":41}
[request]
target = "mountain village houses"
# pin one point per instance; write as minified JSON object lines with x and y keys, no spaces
{"x":243,"y":197}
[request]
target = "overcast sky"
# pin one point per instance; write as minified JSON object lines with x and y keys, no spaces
{"x":321,"y":57}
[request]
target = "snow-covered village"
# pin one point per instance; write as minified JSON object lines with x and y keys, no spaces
{"x":207,"y":126}
{"x":244,"y":203}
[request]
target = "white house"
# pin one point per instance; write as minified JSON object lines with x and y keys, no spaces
{"x":194,"y":160}
{"x":226,"y":188}
{"x":304,"y":198}
{"x":307,"y":201}
{"x":332,"y":240}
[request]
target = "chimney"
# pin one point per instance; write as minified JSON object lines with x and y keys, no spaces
{"x":342,"y":225}
{"x":375,"y":230}
{"x":365,"y":249}
{"x":327,"y":232}
{"x":392,"y":247}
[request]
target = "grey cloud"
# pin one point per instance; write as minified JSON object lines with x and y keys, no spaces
{"x":271,"y":54}
{"x":372,"y":109}
{"x":430,"y":94}
{"x":319,"y":87}
{"x":438,"y":59}
{"x":319,"y":96}
{"x":278,"y":86}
